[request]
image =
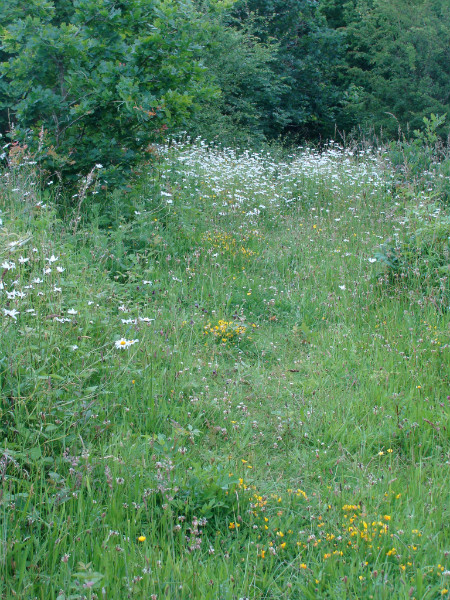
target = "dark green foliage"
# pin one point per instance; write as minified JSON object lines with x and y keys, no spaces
{"x":308,"y":54}
{"x":249,"y":103}
{"x":102,"y":78}
{"x":398,"y":59}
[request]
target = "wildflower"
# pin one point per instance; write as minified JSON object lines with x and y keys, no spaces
{"x":11,"y":313}
{"x":303,"y":566}
{"x":23,"y":260}
{"x":9,"y":266}
{"x":123,"y":344}
{"x":141,"y":538}
{"x":52,"y":259}
{"x":72,"y":311}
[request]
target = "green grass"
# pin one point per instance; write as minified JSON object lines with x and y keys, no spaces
{"x":301,"y":450}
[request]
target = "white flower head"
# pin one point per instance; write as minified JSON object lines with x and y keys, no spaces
{"x":72,"y":311}
{"x":11,"y":313}
{"x":52,"y":258}
{"x":123,"y":344}
{"x":9,"y":266}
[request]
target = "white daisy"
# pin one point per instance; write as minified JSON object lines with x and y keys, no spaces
{"x":9,"y":266}
{"x":123,"y":343}
{"x":11,"y":313}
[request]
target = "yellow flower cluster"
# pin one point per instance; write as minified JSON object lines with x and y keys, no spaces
{"x":225,"y":330}
{"x":226,"y":243}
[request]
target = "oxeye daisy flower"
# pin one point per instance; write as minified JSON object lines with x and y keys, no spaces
{"x":123,"y":343}
{"x":9,"y":266}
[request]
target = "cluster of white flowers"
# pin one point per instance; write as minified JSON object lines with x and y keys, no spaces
{"x":252,"y":182}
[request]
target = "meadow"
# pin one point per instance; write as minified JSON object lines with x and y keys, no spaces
{"x":231,"y":382}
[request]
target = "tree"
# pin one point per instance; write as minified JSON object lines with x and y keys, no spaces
{"x":103,"y":78}
{"x":248,"y":102}
{"x":308,"y":57}
{"x":398,"y":60}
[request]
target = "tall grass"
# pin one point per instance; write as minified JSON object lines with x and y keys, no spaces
{"x":220,"y":388}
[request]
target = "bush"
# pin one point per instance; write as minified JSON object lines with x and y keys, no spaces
{"x":421,"y":258}
{"x":100,"y":79}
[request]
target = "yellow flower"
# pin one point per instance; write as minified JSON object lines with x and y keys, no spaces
{"x":303,"y":566}
{"x":141,"y":538}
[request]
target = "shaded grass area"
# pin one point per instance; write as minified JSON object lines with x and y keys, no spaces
{"x":275,"y":422}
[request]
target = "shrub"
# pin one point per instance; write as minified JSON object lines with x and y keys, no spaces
{"x":101,"y":79}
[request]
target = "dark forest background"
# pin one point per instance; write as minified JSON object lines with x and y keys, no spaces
{"x":104,"y":80}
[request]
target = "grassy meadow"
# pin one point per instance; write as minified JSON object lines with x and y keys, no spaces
{"x":229,"y":383}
